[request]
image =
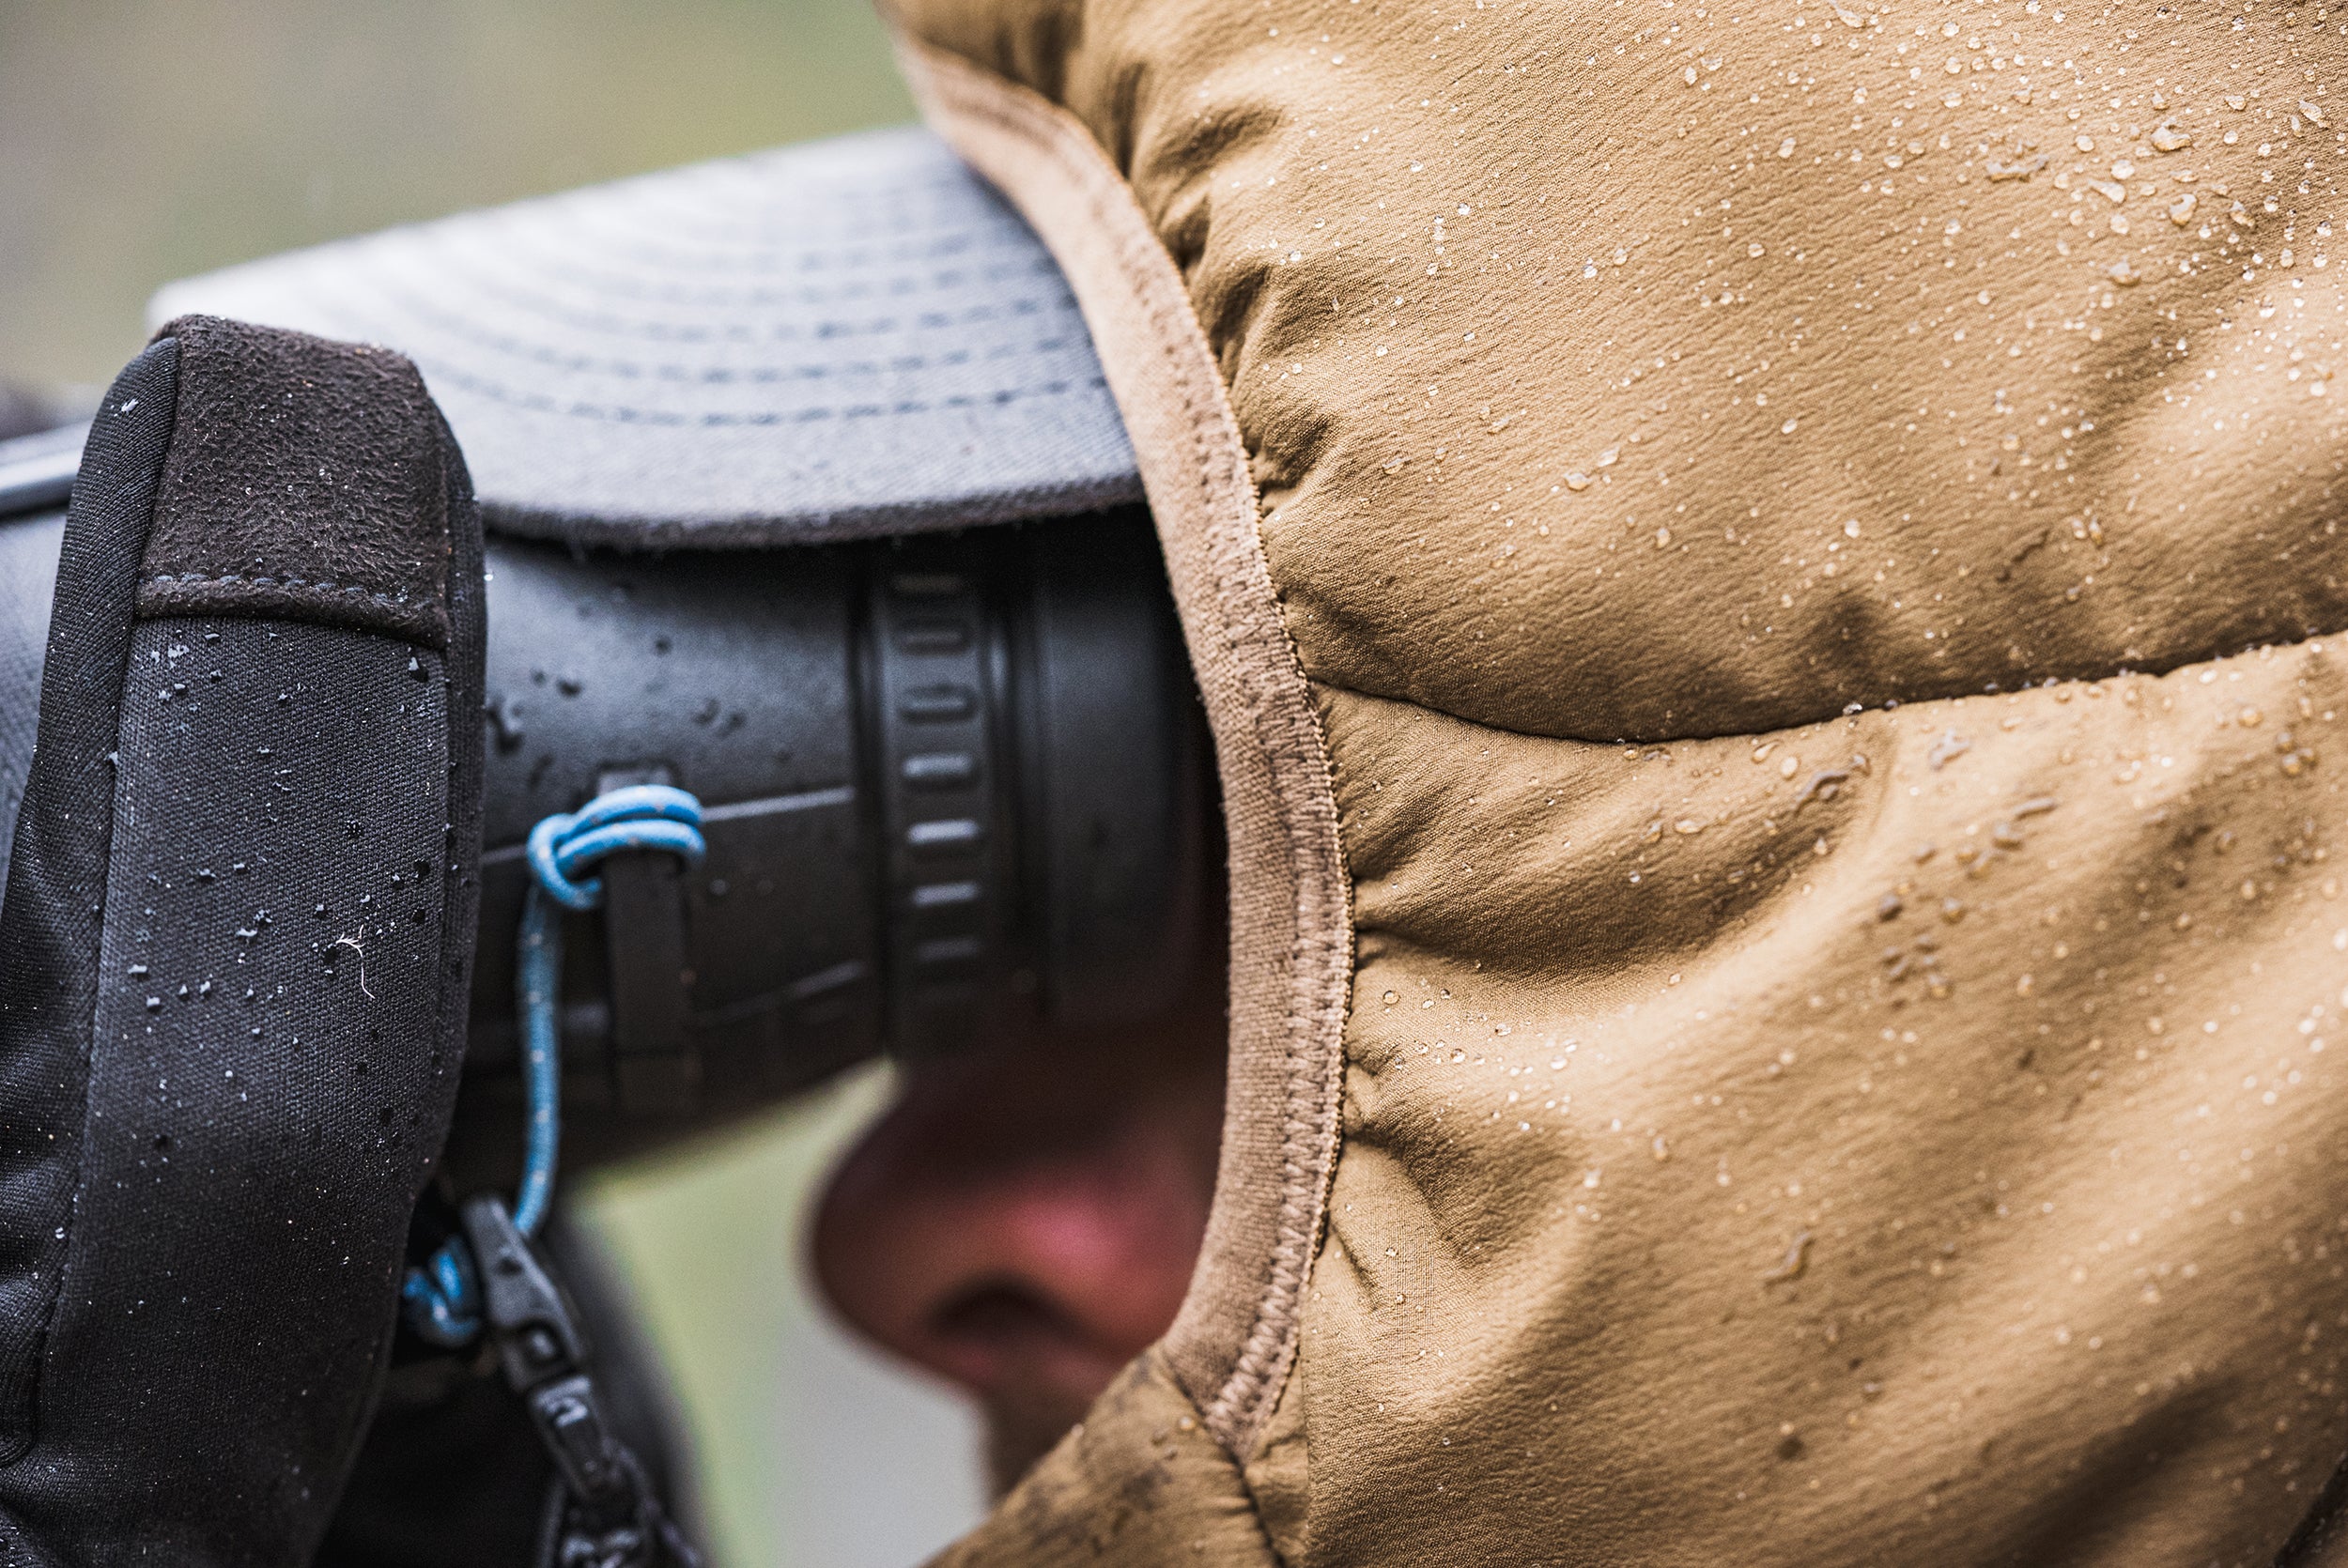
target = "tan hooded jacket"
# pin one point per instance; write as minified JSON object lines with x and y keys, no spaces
{"x":1767,"y":579}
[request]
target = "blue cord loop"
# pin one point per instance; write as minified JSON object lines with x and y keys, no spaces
{"x":441,"y":1300}
{"x":639,"y":817}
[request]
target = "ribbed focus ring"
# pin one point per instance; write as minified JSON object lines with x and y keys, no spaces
{"x":933,"y":655}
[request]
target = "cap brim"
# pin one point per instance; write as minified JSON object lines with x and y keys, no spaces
{"x":836,"y":340}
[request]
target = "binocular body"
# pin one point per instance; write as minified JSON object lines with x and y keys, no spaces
{"x":952,"y":785}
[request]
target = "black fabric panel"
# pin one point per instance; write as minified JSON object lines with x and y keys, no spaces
{"x":28,"y":576}
{"x":234,"y":956}
{"x":49,"y":924}
{"x":269,"y":1090}
{"x":305,"y":484}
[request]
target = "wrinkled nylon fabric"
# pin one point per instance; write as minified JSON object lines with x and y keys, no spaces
{"x":1771,"y":1134}
{"x":1439,"y":258}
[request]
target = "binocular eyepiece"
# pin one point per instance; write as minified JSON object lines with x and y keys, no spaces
{"x":951,"y":786}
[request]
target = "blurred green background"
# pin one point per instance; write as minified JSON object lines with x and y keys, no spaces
{"x":145,"y":140}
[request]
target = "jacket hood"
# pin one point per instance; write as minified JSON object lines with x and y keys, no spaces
{"x":1764,"y":579}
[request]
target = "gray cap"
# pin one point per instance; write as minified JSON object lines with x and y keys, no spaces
{"x":835,"y":340}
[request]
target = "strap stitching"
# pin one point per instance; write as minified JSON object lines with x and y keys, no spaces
{"x":239,"y":579}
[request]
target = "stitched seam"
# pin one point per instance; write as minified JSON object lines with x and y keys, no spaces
{"x":1305,"y":808}
{"x":233,"y":580}
{"x":1268,"y":1339}
{"x":1264,"y":1347}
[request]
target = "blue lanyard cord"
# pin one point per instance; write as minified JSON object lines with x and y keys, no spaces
{"x":441,"y":1300}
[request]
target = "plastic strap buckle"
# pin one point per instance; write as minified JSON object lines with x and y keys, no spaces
{"x":602,"y":1513}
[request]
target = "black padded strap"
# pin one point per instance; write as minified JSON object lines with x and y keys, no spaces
{"x":237,"y":945}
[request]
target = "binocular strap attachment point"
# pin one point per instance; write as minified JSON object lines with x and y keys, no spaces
{"x":600,"y":1509}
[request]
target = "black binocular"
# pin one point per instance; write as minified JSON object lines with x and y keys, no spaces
{"x":951,"y":785}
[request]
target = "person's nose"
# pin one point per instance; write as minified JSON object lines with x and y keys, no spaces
{"x":1024,"y":1223}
